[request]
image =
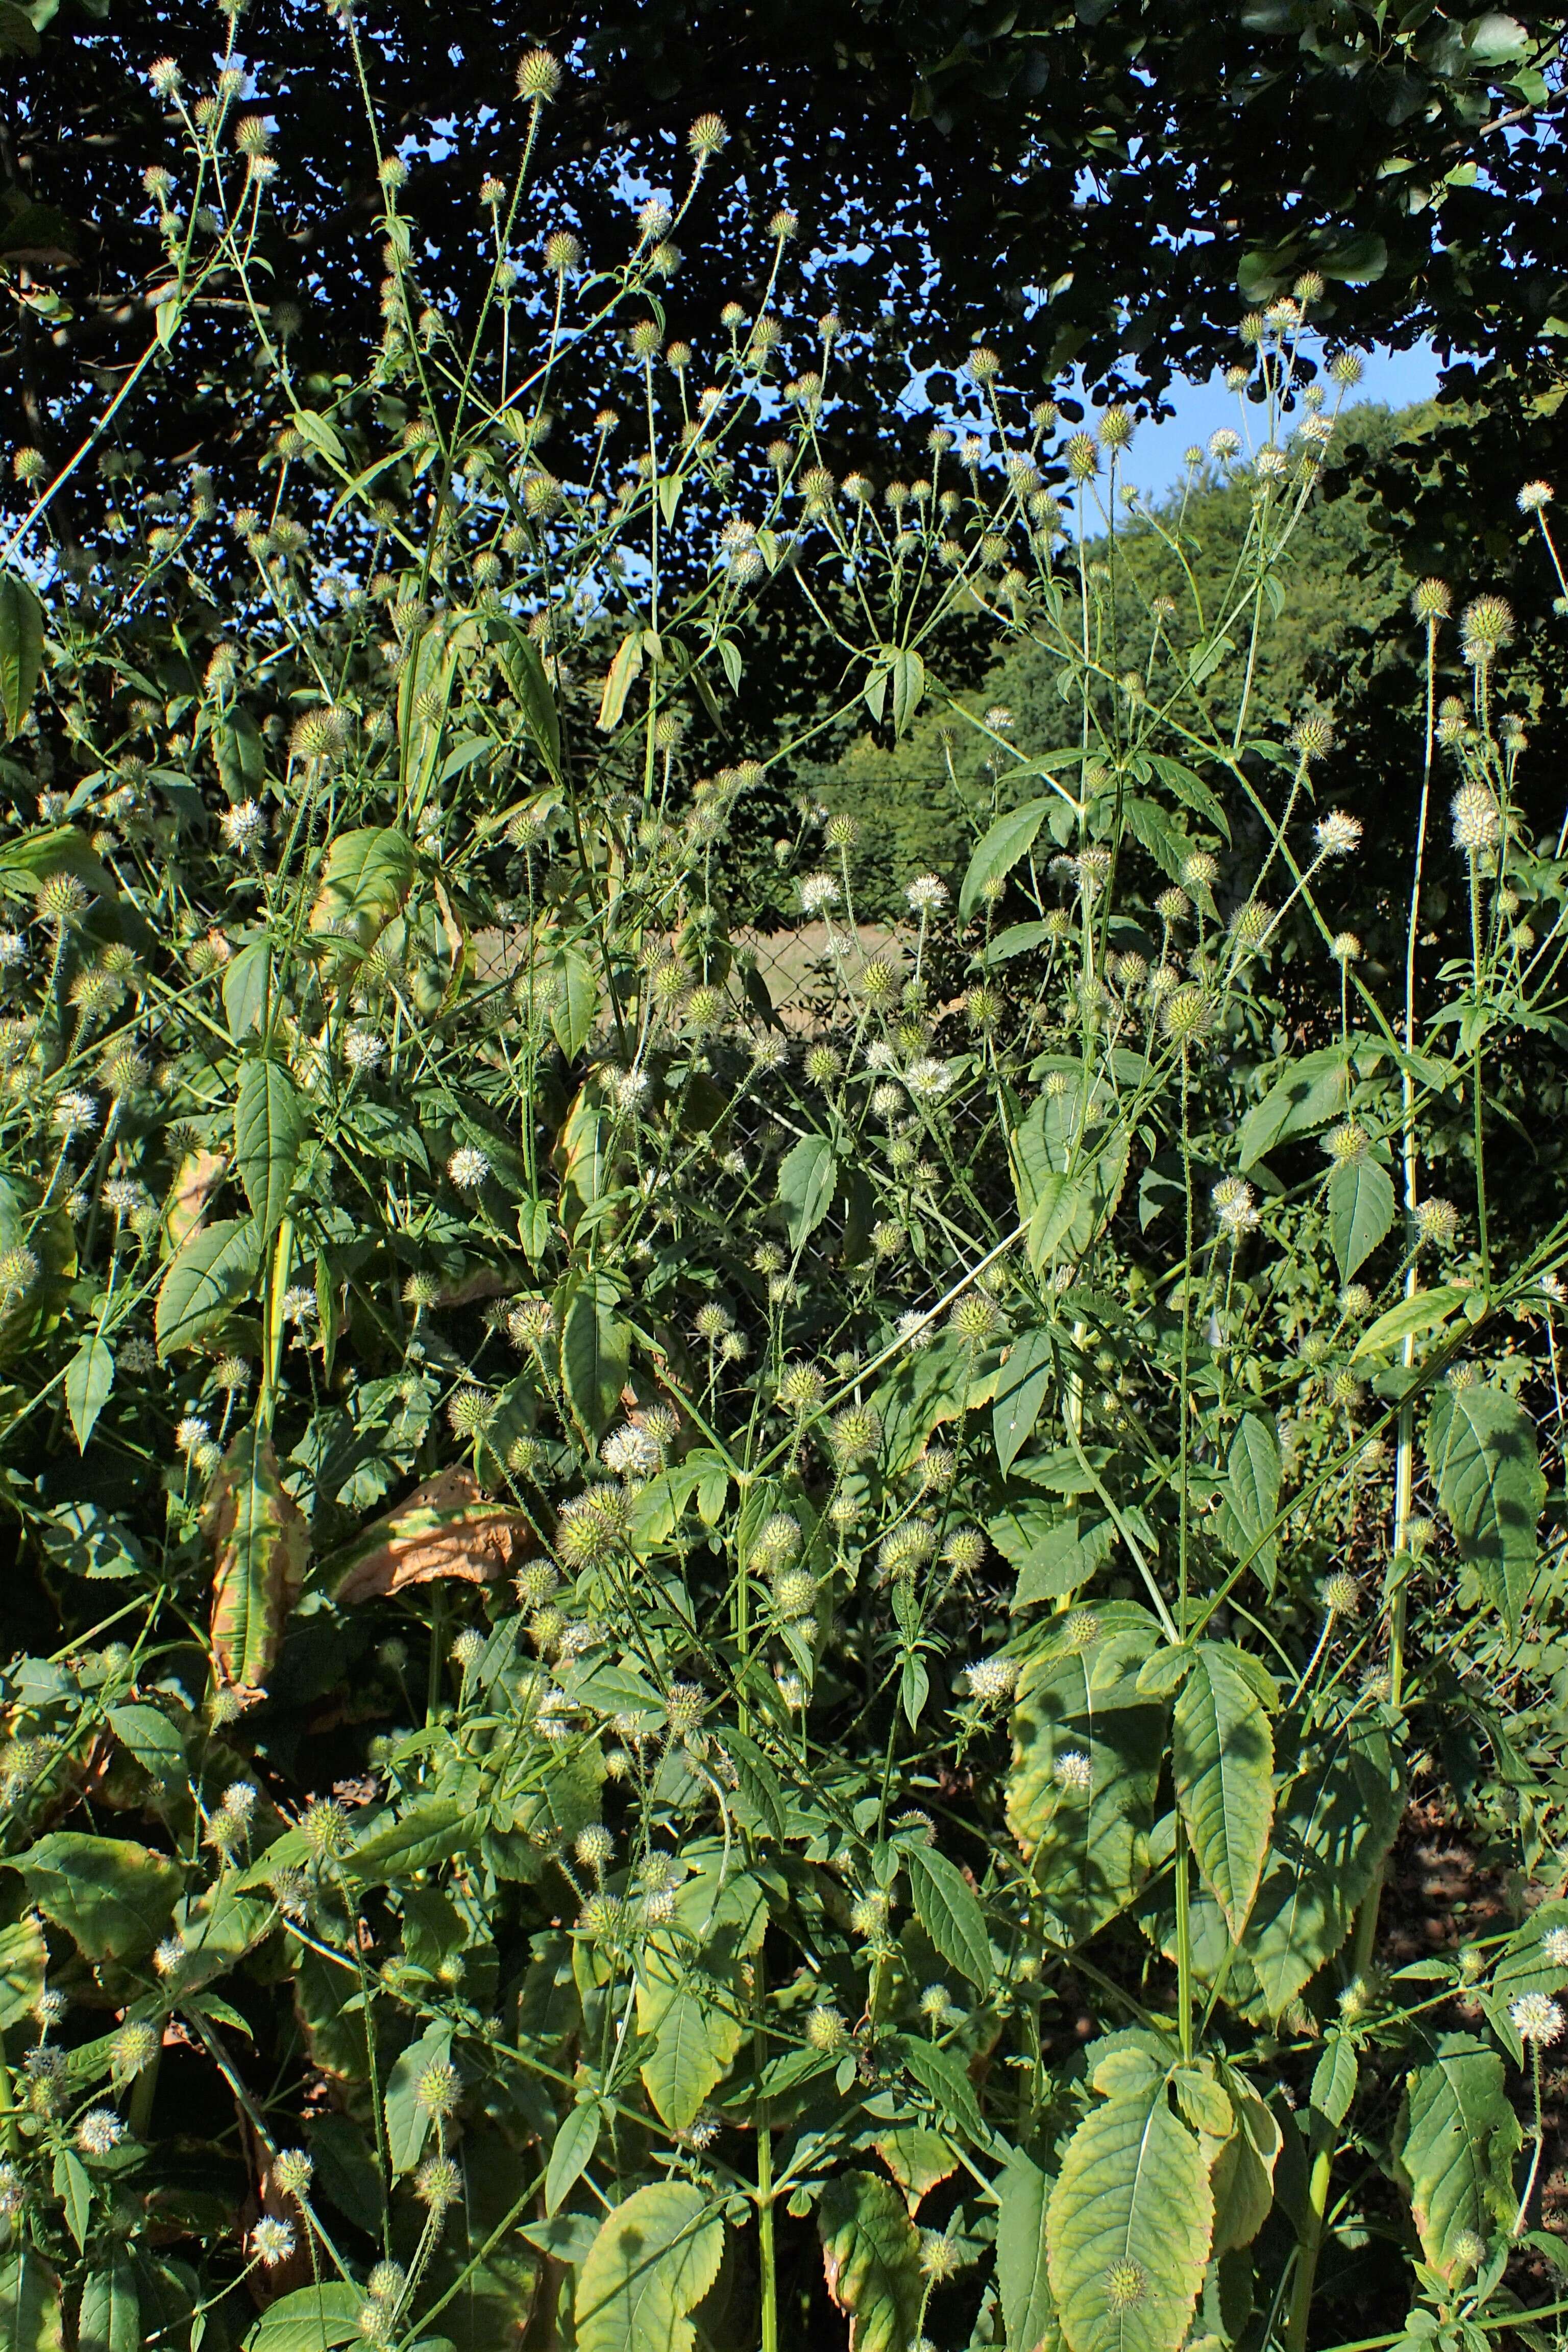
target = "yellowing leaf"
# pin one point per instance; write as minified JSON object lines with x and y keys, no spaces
{"x":1129,"y":2224}
{"x":259,"y":1540}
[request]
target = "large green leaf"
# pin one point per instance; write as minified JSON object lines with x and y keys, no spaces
{"x":114,"y":1897}
{"x":1023,"y":2288}
{"x":1481,"y":1450}
{"x":1086,"y":1763}
{"x":949,"y":1911}
{"x":595,"y":1351}
{"x":1307,"y":1093}
{"x":1020,"y":1394}
{"x":1333,"y":1825}
{"x":998,"y":851}
{"x":270,"y":1125}
{"x":21,"y":649}
{"x":312,"y":2319}
{"x":690,"y":1998}
{"x":871,"y":2253}
{"x":575,"y":1000}
{"x":1454,"y":2148}
{"x":259,"y":1539}
{"x":1360,"y":1210}
{"x":30,"y":2315}
{"x":1222,"y":1762}
{"x":654,"y":2258}
{"x":1129,"y":2223}
{"x":808,"y":1174}
{"x":406,"y":2114}
{"x":1250,"y":1495}
{"x":205,"y":1281}
{"x":525,"y":669}
{"x":110,"y":2315}
{"x":368,"y":874}
{"x":89,"y":1377}
{"x":573,"y":2153}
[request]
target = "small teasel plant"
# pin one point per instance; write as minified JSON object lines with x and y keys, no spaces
{"x":702,"y":1650}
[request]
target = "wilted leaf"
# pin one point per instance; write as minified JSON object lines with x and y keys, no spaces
{"x":446,"y":1527}
{"x":259,"y":1540}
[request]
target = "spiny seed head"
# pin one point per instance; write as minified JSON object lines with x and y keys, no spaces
{"x":974,"y":1319}
{"x":1355,"y":1301}
{"x":1338,"y":833}
{"x":1116,"y":428}
{"x":1341,"y":1594}
{"x":1082,"y":456}
{"x":854,"y":1433}
{"x":563,"y":253}
{"x":1126,"y":2285}
{"x":826,"y":2030}
{"x":1345,"y":948}
{"x":990,"y":1680}
{"x":292,"y":2172}
{"x":538,"y":76}
{"x":1534,"y":496}
{"x":1187,"y":1014}
{"x":1476,"y":819}
{"x":436,"y":2088}
{"x":133,"y":2047}
{"x":1437,"y":1222}
{"x":1201,"y":870}
{"x":795,"y":1593}
{"x":438,"y":2183}
{"x":1431,"y":600}
{"x":707,"y":136}
{"x":594,"y":1846}
{"x":1347,"y":1141}
{"x":1486,"y":626}
{"x":684,"y":1709}
{"x":801,"y":1388}
{"x":940,"y":2256}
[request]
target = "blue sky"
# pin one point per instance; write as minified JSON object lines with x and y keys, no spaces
{"x":1396,"y":378}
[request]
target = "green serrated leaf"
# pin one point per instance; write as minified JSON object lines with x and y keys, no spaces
{"x":205,"y":1281}
{"x":270,"y":1123}
{"x":1128,"y":2226}
{"x":1309,"y":1093}
{"x":572,"y":2154}
{"x":73,"y":2187}
{"x":1360,"y":1210}
{"x":574,"y":1005}
{"x":596,"y":1352}
{"x":110,"y":2317}
{"x":1423,"y":1311}
{"x":1454,"y":2149}
{"x":1021,"y":1395}
{"x":89,"y":1377}
{"x":368,"y":874}
{"x":808,"y":1176}
{"x":407,"y":2115}
{"x":947,"y":1908}
{"x":1250,"y":1496}
{"x":1222,"y":1762}
{"x":999,"y":850}
{"x":1334,"y":1822}
{"x":653,"y":2261}
{"x":1081,"y":1796}
{"x":871,"y":2253}
{"x":21,"y":649}
{"x":114,"y":1897}
{"x":318,"y":2318}
{"x":1481,"y":1450}
{"x":1023,"y":2287}
{"x":31,"y":2319}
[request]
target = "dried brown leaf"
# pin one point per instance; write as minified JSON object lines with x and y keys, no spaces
{"x":448,"y":1526}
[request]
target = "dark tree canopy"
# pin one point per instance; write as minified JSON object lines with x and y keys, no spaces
{"x":1125,"y":176}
